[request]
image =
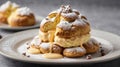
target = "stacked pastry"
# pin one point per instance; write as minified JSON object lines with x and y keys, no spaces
{"x":21,"y":17}
{"x":12,"y":14}
{"x":64,"y":31}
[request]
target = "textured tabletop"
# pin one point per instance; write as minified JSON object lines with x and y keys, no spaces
{"x":102,"y":14}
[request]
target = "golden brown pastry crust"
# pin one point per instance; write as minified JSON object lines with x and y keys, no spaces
{"x":48,"y":25}
{"x":55,"y":49}
{"x":74,"y":31}
{"x":17,"y":20}
{"x":74,"y":52}
{"x":52,"y":14}
{"x":3,"y":17}
{"x":91,"y":47}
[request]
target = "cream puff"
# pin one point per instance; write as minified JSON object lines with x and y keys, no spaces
{"x":22,"y":17}
{"x":91,"y":46}
{"x":74,"y":52}
{"x":53,"y":48}
{"x":72,"y":33}
{"x":36,"y":46}
{"x":33,"y":47}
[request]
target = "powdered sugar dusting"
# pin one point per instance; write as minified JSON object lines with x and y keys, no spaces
{"x":78,"y":49}
{"x":65,"y":25}
{"x":72,"y":15}
{"x":24,"y":11}
{"x":8,"y":5}
{"x":78,"y":22}
{"x":36,"y":41}
{"x":67,"y":12}
{"x":5,"y":6}
{"x":92,"y":41}
{"x":46,"y":20}
{"x":43,"y":22}
{"x":45,"y":45}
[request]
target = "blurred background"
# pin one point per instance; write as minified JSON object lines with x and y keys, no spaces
{"x":102,"y":14}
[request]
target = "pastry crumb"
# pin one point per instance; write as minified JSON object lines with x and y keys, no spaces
{"x":24,"y":54}
{"x":27,"y":43}
{"x":89,"y":57}
{"x":102,"y":52}
{"x":28,"y":47}
{"x":28,"y":56}
{"x":0,"y":36}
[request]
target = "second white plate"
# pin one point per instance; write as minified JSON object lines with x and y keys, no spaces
{"x":7,"y":27}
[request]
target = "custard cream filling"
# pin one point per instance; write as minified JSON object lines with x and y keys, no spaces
{"x":72,"y":42}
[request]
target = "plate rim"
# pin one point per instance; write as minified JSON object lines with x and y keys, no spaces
{"x":23,"y":28}
{"x":44,"y":62}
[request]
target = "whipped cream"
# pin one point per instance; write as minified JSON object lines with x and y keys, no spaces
{"x":24,"y":11}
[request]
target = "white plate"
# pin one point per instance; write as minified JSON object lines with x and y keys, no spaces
{"x":7,"y":27}
{"x":13,"y":45}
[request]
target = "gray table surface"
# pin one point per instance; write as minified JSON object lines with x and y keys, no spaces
{"x":102,"y":14}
